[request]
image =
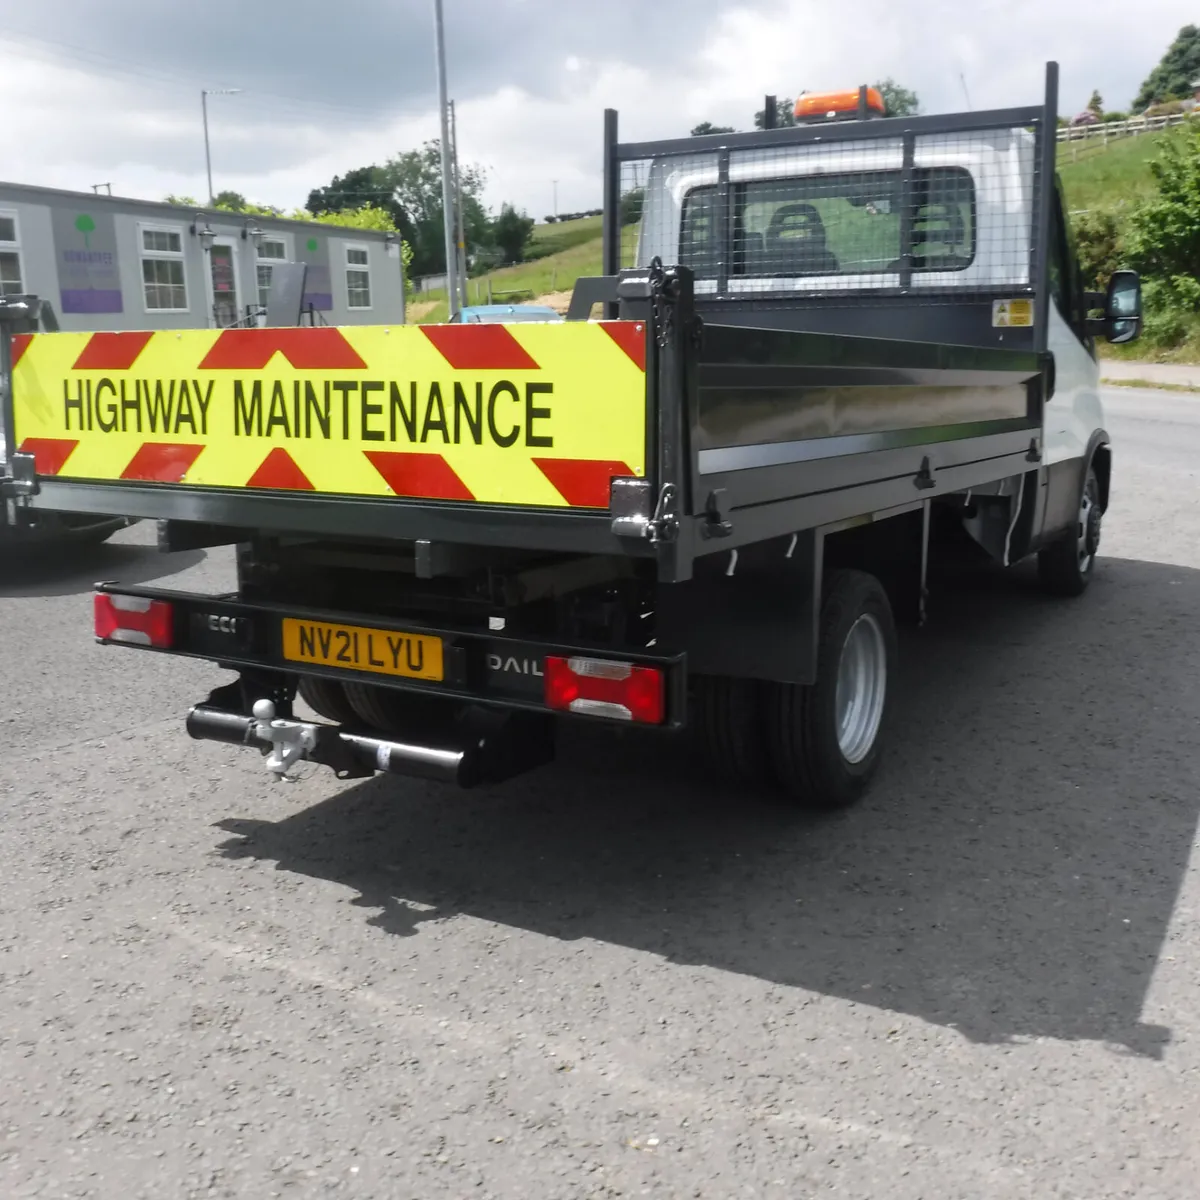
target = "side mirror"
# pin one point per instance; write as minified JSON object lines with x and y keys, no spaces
{"x":1123,"y":307}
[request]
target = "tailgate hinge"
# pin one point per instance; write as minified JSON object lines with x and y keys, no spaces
{"x":924,"y":480}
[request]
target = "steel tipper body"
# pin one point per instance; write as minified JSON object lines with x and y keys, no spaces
{"x":706,"y":511}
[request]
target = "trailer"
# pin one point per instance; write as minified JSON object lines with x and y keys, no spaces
{"x":703,"y":502}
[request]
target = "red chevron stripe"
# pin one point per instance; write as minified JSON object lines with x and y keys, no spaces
{"x":112,"y":351}
{"x":424,"y":476}
{"x":306,"y":349}
{"x":279,"y":470}
{"x":49,"y":454}
{"x":631,"y":337}
{"x":20,"y":344}
{"x":479,"y":348}
{"x":161,"y":462}
{"x":582,"y":482}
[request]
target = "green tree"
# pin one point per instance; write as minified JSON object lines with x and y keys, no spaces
{"x":1096,"y":104}
{"x":1100,"y":245}
{"x":898,"y":101}
{"x":363,"y":185}
{"x":230,"y":201}
{"x":785,"y":114}
{"x":1164,"y":241}
{"x":1164,"y":231}
{"x":632,"y":204}
{"x":511,"y":232}
{"x":409,"y":186}
{"x":706,"y":127}
{"x":1172,"y":79}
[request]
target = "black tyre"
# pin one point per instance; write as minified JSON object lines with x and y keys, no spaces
{"x":731,"y":726}
{"x":1066,"y":566}
{"x":328,"y":699}
{"x":826,"y":739}
{"x":398,"y":712}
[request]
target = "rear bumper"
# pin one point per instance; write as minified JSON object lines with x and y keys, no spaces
{"x":482,"y":667}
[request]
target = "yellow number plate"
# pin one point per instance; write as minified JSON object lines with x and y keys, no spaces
{"x":357,"y":648}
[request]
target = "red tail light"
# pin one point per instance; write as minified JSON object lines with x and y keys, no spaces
{"x":598,"y":687}
{"x":134,"y":619}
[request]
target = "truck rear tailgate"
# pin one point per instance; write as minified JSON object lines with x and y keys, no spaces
{"x":528,"y":415}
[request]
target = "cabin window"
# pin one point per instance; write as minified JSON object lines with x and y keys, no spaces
{"x":11,"y":277}
{"x":164,"y":278}
{"x":358,"y":277}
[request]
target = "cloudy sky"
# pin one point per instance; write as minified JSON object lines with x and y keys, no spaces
{"x":97,"y":91}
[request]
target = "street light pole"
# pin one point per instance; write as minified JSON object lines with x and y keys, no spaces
{"x":204,"y":95}
{"x":447,"y":182}
{"x":207,"y":152}
{"x":460,"y":257}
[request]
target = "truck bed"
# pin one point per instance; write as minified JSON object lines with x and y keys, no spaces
{"x":512,"y":436}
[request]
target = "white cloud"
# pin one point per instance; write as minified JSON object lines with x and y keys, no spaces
{"x":531,"y":118}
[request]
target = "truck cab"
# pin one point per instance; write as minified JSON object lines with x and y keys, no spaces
{"x":929,"y":230}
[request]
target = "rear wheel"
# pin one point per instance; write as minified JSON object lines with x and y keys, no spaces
{"x":397,"y":712}
{"x":328,"y":699}
{"x":826,"y":738}
{"x":1066,"y":567}
{"x":731,"y":720}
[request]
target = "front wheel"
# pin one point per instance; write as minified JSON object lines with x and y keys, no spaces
{"x":1066,"y":566}
{"x":827,"y":738}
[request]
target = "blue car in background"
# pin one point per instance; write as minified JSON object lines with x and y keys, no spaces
{"x":504,"y":314}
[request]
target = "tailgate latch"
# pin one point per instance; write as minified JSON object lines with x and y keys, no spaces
{"x":629,"y":503}
{"x":716,"y":515}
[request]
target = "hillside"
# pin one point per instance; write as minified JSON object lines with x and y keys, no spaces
{"x":1108,"y":176}
{"x":578,"y":245}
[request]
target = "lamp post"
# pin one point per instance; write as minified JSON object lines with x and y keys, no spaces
{"x":204,"y":95}
{"x":447,"y":182}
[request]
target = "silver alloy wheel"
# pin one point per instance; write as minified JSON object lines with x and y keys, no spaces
{"x":861,"y":688}
{"x":1089,"y":523}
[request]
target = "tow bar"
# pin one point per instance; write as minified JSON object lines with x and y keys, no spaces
{"x":482,"y":746}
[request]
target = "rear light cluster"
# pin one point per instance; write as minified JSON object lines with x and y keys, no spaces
{"x":134,"y":619}
{"x":598,"y":687}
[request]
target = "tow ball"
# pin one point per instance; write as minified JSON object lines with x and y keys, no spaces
{"x":290,"y":740}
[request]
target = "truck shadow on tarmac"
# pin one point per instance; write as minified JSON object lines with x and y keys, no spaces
{"x":1012,"y":874}
{"x":72,"y":570}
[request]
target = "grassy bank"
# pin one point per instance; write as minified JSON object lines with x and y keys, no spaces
{"x":1109,"y":177}
{"x":578,"y":253}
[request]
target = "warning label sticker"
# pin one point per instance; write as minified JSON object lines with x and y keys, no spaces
{"x":525,"y":415}
{"x":1012,"y":314}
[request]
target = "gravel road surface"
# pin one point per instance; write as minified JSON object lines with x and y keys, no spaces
{"x":611,"y":978}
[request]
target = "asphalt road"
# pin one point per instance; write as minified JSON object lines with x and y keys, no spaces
{"x":612,"y":979}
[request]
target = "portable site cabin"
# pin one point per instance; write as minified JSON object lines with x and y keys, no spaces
{"x":112,"y":263}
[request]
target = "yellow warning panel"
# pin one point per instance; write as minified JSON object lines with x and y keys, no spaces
{"x":529,"y":414}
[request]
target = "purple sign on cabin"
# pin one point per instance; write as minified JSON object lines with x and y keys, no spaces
{"x":318,"y":284}
{"x":85,"y":252}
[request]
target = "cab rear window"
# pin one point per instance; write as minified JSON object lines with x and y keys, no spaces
{"x":832,"y":225}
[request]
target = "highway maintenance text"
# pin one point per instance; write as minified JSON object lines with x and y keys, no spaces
{"x":502,"y":413}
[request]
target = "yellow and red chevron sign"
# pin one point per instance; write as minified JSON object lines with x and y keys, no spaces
{"x":529,"y":414}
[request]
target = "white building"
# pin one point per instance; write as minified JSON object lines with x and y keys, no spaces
{"x":110,"y":263}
